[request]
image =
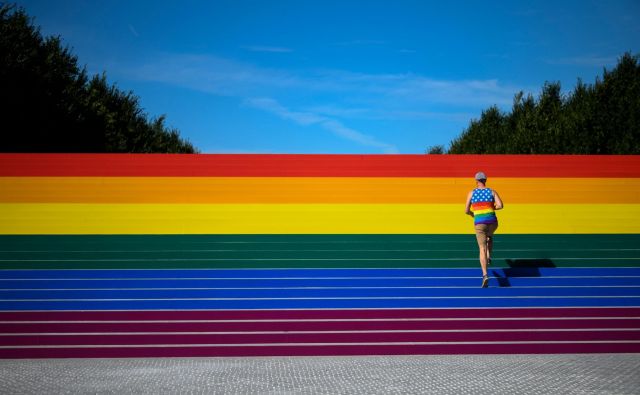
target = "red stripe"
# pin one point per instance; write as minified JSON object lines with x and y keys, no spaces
{"x":174,"y":165}
{"x":481,"y":206}
{"x":267,"y":326}
{"x":322,"y":350}
{"x":171,"y":315}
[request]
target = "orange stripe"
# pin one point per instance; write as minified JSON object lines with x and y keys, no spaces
{"x":310,"y":190}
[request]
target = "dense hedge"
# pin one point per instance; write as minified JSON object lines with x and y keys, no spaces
{"x":603,"y":118}
{"x":49,"y":104}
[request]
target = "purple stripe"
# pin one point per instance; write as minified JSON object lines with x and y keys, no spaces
{"x":270,"y":326}
{"x":357,"y":337}
{"x":481,"y":323}
{"x":171,"y":315}
{"x":324,"y":350}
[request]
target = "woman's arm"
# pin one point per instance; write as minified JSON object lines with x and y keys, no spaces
{"x":467,"y":208}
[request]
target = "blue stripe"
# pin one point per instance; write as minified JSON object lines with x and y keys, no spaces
{"x":345,"y":283}
{"x":319,"y":293}
{"x":508,"y":288}
{"x":315,"y":273}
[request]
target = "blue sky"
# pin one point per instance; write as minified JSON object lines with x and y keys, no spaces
{"x":336,"y":76}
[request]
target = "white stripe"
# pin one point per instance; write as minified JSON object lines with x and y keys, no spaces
{"x":300,"y":278}
{"x":317,"y":332}
{"x":306,"y":309}
{"x":241,"y":259}
{"x":302,"y":320}
{"x":309,"y":250}
{"x":295,"y":259}
{"x":276,"y":250}
{"x":304,"y":288}
{"x":332,"y":298}
{"x":323,"y":344}
{"x":360,"y":268}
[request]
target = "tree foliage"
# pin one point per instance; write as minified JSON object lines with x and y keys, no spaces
{"x":603,"y":118}
{"x":436,"y":150}
{"x":49,"y":104}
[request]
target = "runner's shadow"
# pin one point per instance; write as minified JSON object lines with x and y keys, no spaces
{"x":521,"y":268}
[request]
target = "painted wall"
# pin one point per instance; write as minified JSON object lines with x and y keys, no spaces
{"x":312,"y":194}
{"x":112,"y":256}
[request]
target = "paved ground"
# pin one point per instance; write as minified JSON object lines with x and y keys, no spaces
{"x":465,"y":374}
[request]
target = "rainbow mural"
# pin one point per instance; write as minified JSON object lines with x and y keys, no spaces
{"x":107,"y":255}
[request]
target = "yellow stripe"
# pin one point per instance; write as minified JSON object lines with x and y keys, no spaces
{"x":309,"y":190}
{"x":480,"y":212}
{"x":308,"y":218}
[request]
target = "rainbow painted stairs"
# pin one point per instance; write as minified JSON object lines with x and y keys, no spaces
{"x":269,"y":255}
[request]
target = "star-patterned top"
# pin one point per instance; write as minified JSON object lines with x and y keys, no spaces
{"x":482,"y":206}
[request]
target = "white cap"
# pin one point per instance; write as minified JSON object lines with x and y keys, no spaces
{"x":481,"y":176}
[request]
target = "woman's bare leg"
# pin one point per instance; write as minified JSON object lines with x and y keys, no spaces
{"x":483,"y":259}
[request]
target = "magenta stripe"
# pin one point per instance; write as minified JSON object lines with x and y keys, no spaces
{"x":263,"y":326}
{"x":325,"y":350}
{"x":317,"y":314}
{"x":362,"y":337}
{"x":481,"y":322}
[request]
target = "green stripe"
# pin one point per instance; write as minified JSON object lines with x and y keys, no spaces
{"x":307,"y":251}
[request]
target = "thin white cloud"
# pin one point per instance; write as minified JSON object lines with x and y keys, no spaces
{"x":350,"y":134}
{"x":228,"y":77}
{"x":214,"y":75}
{"x":361,"y":43}
{"x":585,"y":60}
{"x":259,"y":48}
{"x":429,"y":115}
{"x":272,"y":106}
{"x":389,"y":114}
{"x":465,"y":92}
{"x":133,"y":30}
{"x":338,"y":96}
{"x":343,"y":112}
{"x":307,"y":118}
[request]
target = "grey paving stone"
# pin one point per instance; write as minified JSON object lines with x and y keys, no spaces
{"x":462,"y":374}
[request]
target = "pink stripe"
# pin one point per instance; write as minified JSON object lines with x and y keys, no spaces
{"x":257,"y":326}
{"x":325,"y":350}
{"x":317,"y":314}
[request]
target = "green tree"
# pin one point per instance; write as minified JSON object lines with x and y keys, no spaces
{"x":618,"y":108}
{"x":603,"y":118}
{"x":49,"y":104}
{"x":482,"y":135}
{"x":436,"y":150}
